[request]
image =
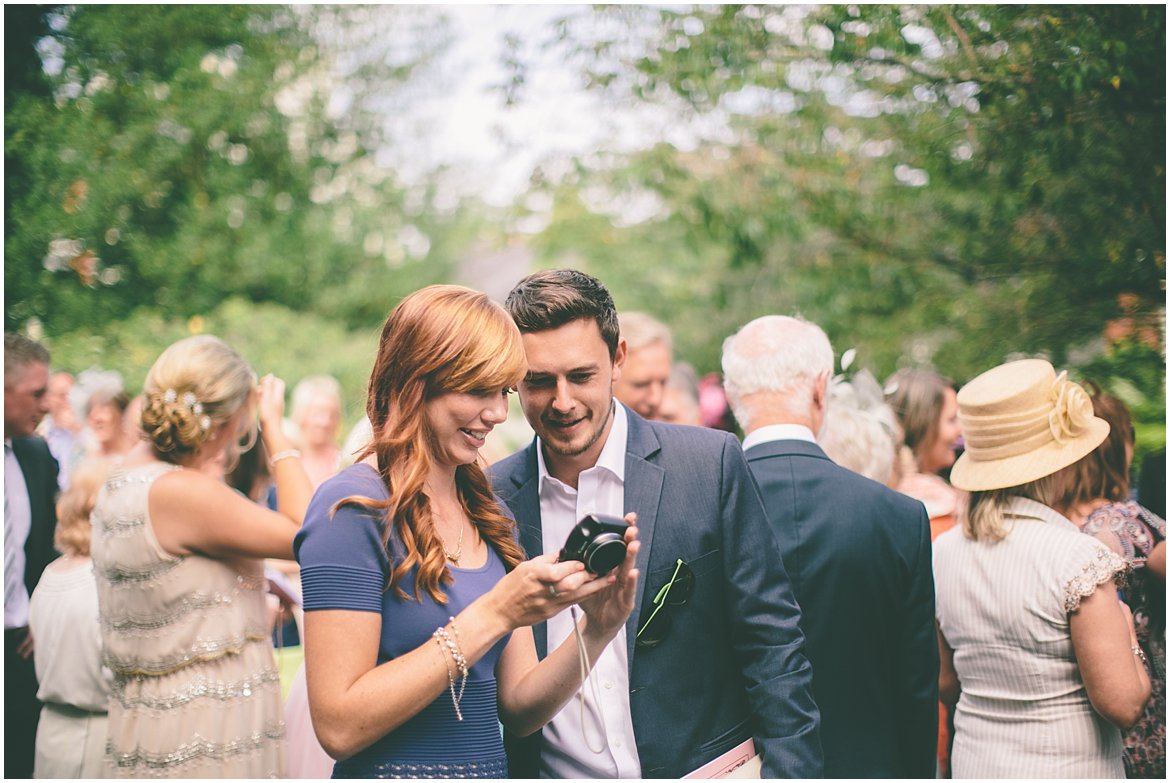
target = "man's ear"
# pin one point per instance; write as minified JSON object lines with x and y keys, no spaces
{"x":821,"y":390}
{"x":619,"y":359}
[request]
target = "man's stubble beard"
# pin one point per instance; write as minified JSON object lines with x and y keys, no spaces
{"x":552,"y":446}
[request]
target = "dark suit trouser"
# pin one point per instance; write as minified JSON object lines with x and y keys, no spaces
{"x":21,"y":708}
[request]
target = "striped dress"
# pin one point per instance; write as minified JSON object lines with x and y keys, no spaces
{"x":1004,"y":609}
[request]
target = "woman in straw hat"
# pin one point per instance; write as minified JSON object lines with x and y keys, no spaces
{"x":1036,"y":648}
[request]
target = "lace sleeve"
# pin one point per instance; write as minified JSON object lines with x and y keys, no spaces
{"x":1104,"y":566}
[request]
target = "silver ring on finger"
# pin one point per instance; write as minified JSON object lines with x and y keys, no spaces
{"x":552,"y":592}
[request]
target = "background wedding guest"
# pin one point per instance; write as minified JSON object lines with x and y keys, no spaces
{"x":924,"y":403}
{"x":857,"y":552}
{"x":178,"y":562}
{"x":648,"y":360}
{"x":63,"y":615}
{"x":860,"y":432}
{"x":1151,"y":489}
{"x":1036,"y":650}
{"x":102,"y":402}
{"x":30,"y":517}
{"x":713,"y":405}
{"x":132,"y":419}
{"x":104,"y":417}
{"x":1096,"y":498}
{"x":680,"y":397}
{"x":61,"y":427}
{"x":927,"y":412}
{"x":316,"y":412}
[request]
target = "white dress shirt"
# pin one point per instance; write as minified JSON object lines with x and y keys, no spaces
{"x":774,"y":432}
{"x":17,"y":525}
{"x":571,"y":737}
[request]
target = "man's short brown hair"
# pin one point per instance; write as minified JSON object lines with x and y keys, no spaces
{"x":552,"y":298}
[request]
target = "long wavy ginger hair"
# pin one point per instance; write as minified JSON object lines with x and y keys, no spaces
{"x":438,"y":340}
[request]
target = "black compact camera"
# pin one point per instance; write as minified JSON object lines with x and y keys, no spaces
{"x":598,"y":541}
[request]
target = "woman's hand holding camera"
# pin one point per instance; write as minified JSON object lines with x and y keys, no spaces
{"x":540,"y":588}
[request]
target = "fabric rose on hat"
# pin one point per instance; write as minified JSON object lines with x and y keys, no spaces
{"x":1072,"y":410}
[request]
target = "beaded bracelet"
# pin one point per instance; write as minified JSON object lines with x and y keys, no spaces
{"x":286,"y":454}
{"x":449,"y":645}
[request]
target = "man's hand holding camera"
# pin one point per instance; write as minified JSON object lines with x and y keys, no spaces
{"x":609,"y":608}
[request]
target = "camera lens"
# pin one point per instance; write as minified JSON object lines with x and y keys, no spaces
{"x":604,"y":553}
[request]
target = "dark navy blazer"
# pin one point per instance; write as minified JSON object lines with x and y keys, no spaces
{"x":40,"y":476}
{"x":858,"y":555}
{"x":733,"y":664}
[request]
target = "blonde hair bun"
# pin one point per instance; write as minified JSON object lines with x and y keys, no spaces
{"x":195,"y":386}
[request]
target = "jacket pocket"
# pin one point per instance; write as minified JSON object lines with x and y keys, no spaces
{"x":726,"y":740}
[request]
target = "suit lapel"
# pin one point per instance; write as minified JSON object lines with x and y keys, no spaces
{"x":37,"y":547}
{"x":643,"y":494}
{"x":525,"y":504}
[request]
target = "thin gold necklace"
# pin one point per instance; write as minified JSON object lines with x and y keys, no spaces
{"x":458,"y":553}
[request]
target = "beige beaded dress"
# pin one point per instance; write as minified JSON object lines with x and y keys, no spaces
{"x":196,"y":691}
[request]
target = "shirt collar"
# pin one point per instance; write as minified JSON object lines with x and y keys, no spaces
{"x":774,"y":432}
{"x":1023,"y":507}
{"x":613,"y":453}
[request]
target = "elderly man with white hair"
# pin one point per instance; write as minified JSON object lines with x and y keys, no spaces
{"x":858,"y":554}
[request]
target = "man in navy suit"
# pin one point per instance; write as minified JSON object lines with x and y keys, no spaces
{"x":712,"y":655}
{"x":30,"y":519}
{"x":858,"y":555}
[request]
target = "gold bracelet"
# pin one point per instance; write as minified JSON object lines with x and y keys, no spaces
{"x":449,"y":645}
{"x":1141,"y":654}
{"x":450,"y":674}
{"x":286,"y":454}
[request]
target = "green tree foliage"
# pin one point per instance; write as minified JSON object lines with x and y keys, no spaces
{"x":171,"y":156}
{"x":945,"y":185}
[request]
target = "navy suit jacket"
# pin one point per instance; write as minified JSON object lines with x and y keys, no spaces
{"x":40,"y":475}
{"x":858,"y":555}
{"x":733,"y":664}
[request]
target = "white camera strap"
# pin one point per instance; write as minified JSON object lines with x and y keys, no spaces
{"x":587,"y":677}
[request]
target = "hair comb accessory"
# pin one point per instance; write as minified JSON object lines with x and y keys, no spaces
{"x":191,"y":403}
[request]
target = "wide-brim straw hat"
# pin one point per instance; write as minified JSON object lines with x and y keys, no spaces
{"x":1022,"y":422}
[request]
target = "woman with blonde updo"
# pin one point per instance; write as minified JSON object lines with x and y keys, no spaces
{"x":177,"y":557}
{"x":418,"y":599}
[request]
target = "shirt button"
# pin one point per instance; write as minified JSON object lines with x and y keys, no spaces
{"x":608,"y":685}
{"x":617,"y":743}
